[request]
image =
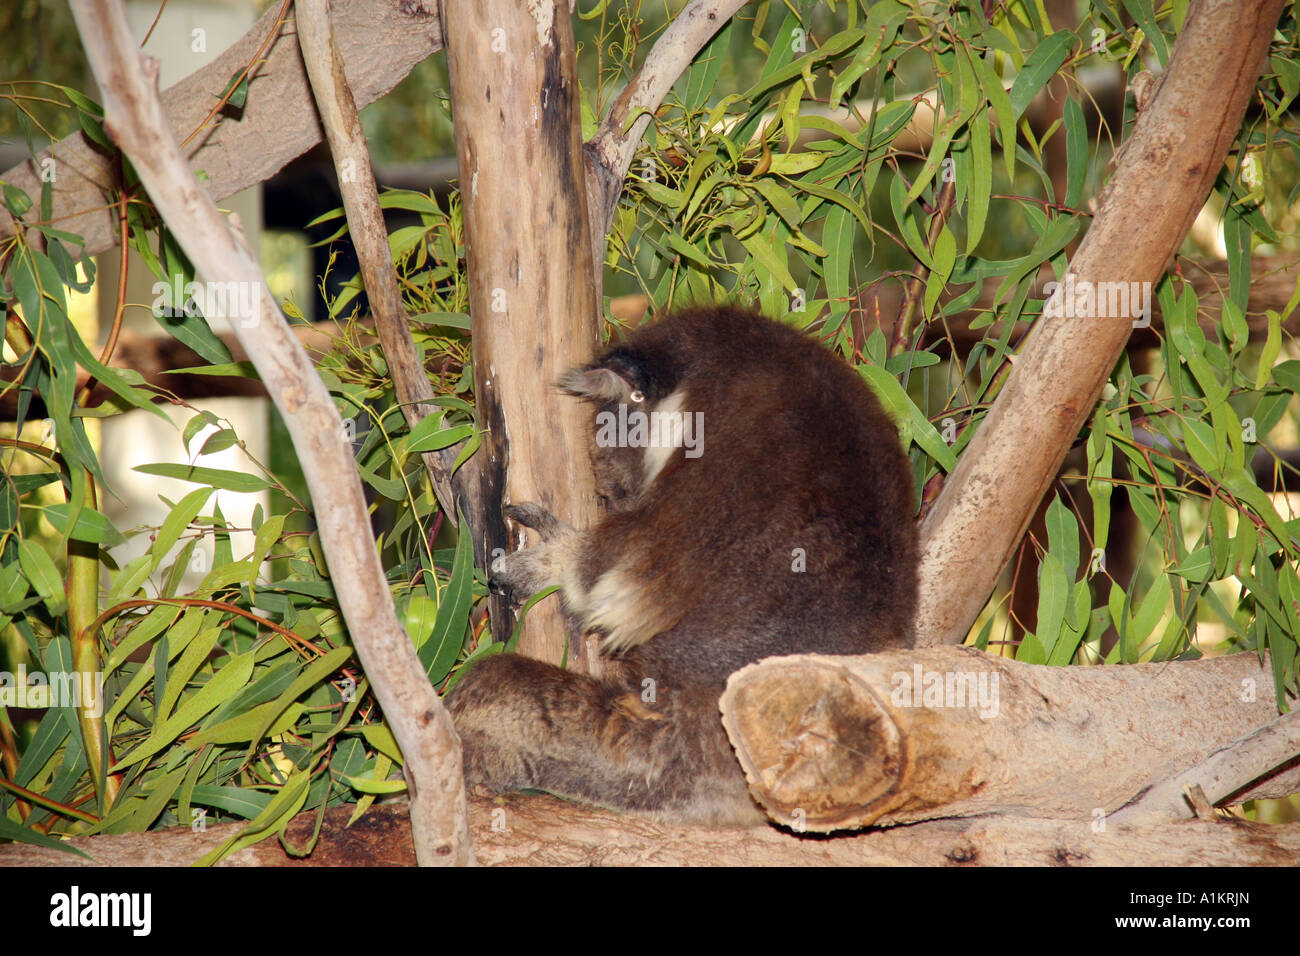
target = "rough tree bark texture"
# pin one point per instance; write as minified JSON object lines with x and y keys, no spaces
{"x":528,"y":247}
{"x":380,"y":41}
{"x":829,"y":743}
{"x":135,"y":119}
{"x":1177,"y":148}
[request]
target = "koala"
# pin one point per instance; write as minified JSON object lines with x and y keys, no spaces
{"x":756,"y":503}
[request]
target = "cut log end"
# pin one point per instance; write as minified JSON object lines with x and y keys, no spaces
{"x":820,"y":750}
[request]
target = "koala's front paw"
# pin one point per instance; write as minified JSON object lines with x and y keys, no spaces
{"x":535,"y":516}
{"x":525,"y":572}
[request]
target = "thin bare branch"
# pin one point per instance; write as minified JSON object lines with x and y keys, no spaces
{"x":135,"y":119}
{"x":347,"y":142}
{"x":1222,"y":774}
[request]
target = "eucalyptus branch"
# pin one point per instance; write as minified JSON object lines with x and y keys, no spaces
{"x":610,"y":151}
{"x":134,"y":117}
{"x":347,"y":142}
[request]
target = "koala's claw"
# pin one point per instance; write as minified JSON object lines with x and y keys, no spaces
{"x":535,"y":516}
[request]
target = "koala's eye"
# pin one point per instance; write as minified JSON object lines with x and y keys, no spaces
{"x":637,"y":396}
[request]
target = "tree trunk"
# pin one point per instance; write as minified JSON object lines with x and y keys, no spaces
{"x":134,"y":118}
{"x":528,"y":247}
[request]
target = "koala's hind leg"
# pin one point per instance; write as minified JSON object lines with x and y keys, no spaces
{"x":524,"y":724}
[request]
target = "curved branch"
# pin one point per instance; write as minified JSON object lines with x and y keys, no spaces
{"x":609,"y":153}
{"x":135,"y":119}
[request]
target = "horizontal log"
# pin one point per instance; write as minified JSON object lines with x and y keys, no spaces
{"x":829,"y":743}
{"x":543,"y":831}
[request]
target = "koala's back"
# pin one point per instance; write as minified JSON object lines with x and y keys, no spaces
{"x":792,"y":531}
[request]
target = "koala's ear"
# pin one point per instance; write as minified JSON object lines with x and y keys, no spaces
{"x":597,"y":383}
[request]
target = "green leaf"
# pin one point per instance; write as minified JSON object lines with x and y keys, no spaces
{"x":1199,"y":438}
{"x":281,"y":808}
{"x":150,"y":626}
{"x":381,"y":738}
{"x":44,"y":577}
{"x":1197,"y":566}
{"x":1237,"y":235}
{"x":879,"y":29}
{"x":239,"y":801}
{"x":911,"y":419}
{"x":834,"y":46}
{"x":267,"y":535}
{"x":981,"y":187}
{"x":1054,"y":590}
{"x":1153,"y":608}
{"x":222,"y":685}
{"x":1077,"y":620}
{"x":1063,"y":536}
{"x":427,"y":435}
{"x":688,"y":251}
{"x":312,"y":675}
{"x":16,"y":201}
{"x":438,"y":655}
{"x":129,"y":579}
{"x":1269,"y":353}
{"x":838,"y":235}
{"x":840,"y":199}
{"x":50,"y":734}
{"x":91,"y":525}
{"x":760,"y":248}
{"x":366,"y":785}
{"x":9,"y":830}
{"x":703,"y":73}
{"x":1287,"y":374}
{"x":216,"y":477}
{"x":418,"y":618}
{"x":945,"y":255}
{"x":1076,"y":152}
{"x":1101,"y":463}
{"x":1242,"y":484}
{"x":782,"y":202}
{"x":219,"y":441}
{"x":1002,"y":109}
{"x":1030,"y":651}
{"x":224,"y":370}
{"x":1039,"y":69}
{"x":188,"y":329}
{"x":906,"y":222}
{"x":195,"y":655}
{"x":176,"y":522}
